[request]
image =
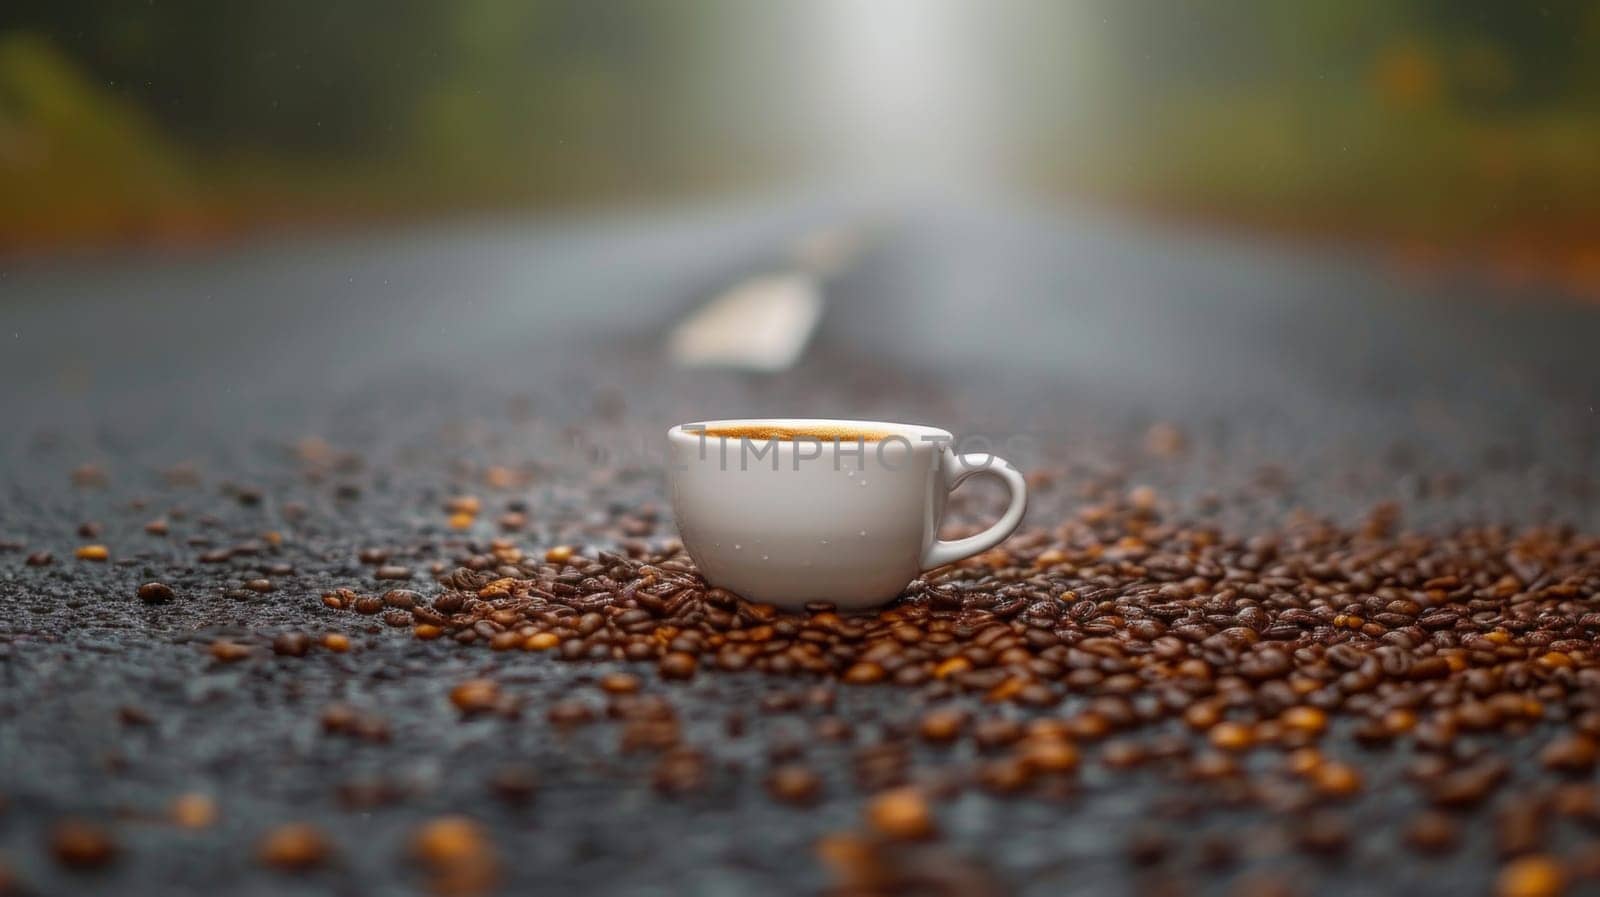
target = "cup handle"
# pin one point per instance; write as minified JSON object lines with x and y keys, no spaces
{"x":957,"y":468}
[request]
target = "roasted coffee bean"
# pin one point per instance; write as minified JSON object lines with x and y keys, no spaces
{"x":155,"y":593}
{"x":476,"y":696}
{"x":193,"y":810}
{"x":458,"y":855}
{"x":1572,"y":753}
{"x":942,"y":726}
{"x":229,"y":652}
{"x":1533,"y":876}
{"x":1432,"y":832}
{"x":901,"y":814}
{"x":82,"y":845}
{"x":1322,"y":833}
{"x":677,"y":665}
{"x":514,"y":784}
{"x":291,"y":644}
{"x":295,"y":847}
{"x":794,"y":784}
{"x":402,"y":599}
{"x":680,"y":771}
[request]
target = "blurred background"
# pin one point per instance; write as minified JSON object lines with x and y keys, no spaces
{"x":1437,"y":128}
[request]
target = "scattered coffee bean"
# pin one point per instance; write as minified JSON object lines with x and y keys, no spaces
{"x":514,"y":784}
{"x":155,"y":593}
{"x":619,"y":683}
{"x":82,"y":845}
{"x":291,"y":644}
{"x":902,"y":814}
{"x":1432,"y":832}
{"x":1571,"y":753}
{"x":1533,"y":876}
{"x":794,"y":784}
{"x":677,"y":665}
{"x":193,"y":810}
{"x":942,"y":726}
{"x":680,"y":771}
{"x":449,"y":839}
{"x":230,"y":652}
{"x":476,"y":696}
{"x":295,"y":847}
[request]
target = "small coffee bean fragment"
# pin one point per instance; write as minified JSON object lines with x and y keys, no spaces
{"x":193,"y":810}
{"x":336,"y":642}
{"x":1048,"y":755}
{"x":570,"y":713}
{"x":155,"y":593}
{"x":229,"y":652}
{"x":296,"y":847}
{"x":1231,"y":736}
{"x":1432,"y":832}
{"x":864,"y":673}
{"x":902,"y":814}
{"x":82,"y":845}
{"x":1336,"y":779}
{"x":542,"y":641}
{"x":40,"y":559}
{"x":942,"y":726}
{"x":1322,"y":833}
{"x":680,"y":771}
{"x":1571,"y":753}
{"x":677,"y":665}
{"x":457,"y":854}
{"x":996,"y":732}
{"x":1309,"y":720}
{"x":92,"y":553}
{"x":619,"y":683}
{"x":1532,"y":876}
{"x":260,"y":586}
{"x":476,"y":696}
{"x":1123,"y":754}
{"x":291,"y":644}
{"x":392,"y":572}
{"x":514,"y":784}
{"x":1147,"y":847}
{"x":794,"y":784}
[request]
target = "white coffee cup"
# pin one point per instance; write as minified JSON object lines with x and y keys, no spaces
{"x":830,"y":515}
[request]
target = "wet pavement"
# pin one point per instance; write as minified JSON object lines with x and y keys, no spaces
{"x":309,"y":399}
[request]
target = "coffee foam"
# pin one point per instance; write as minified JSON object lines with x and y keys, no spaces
{"x":820,"y":432}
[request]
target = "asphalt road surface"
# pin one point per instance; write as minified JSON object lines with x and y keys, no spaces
{"x":335,"y":392}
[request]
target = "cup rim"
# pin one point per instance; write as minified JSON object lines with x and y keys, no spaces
{"x":917,"y":434}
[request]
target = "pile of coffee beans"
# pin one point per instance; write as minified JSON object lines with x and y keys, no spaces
{"x":1131,"y":641}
